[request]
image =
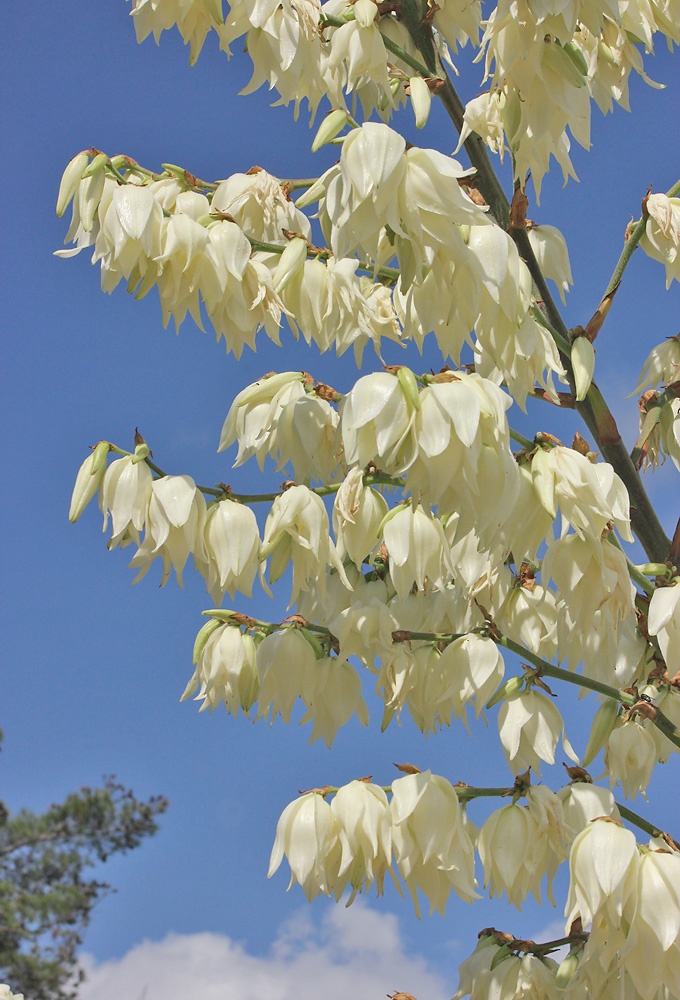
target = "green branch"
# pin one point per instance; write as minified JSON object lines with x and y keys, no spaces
{"x":643,"y":824}
{"x":631,"y":243}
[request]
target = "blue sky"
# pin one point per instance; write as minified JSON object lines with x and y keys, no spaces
{"x":94,"y":667}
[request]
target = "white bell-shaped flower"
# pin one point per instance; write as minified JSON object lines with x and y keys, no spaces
{"x":358,"y":512}
{"x":589,"y":495}
{"x":254,"y":414}
{"x":630,"y":755}
{"x":308,"y":834}
{"x":307,"y":438}
{"x":232,"y":546}
{"x":286,"y":666}
{"x":296,"y":530}
{"x":130,"y":234}
{"x":661,"y":239}
{"x":432,"y":849}
{"x":512,"y":852}
{"x":194,"y":20}
{"x":652,"y":954}
{"x":474,"y":668}
{"x":603,"y":869}
{"x":332,"y":695}
{"x":550,"y":250}
{"x":365,"y":822}
{"x":530,"y":726}
{"x":661,"y":366}
{"x":664,"y":623}
{"x":418,"y":551}
{"x":512,"y":978}
{"x":378,"y":417}
{"x":365,"y":628}
{"x":583,"y":802}
{"x":125,"y":492}
{"x":174,"y":527}
{"x":591,"y":575}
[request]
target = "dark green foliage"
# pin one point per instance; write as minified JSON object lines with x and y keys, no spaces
{"x":45,"y":898}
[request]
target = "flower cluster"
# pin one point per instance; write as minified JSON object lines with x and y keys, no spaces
{"x":195,"y":244}
{"x":419,"y":834}
{"x":239,"y":669}
{"x":630,"y":895}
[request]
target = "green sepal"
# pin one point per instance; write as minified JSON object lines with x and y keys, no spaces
{"x":204,"y":634}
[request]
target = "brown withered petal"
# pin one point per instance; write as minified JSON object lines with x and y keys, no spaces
{"x":407,"y":768}
{"x":518,"y":210}
{"x":577,"y":773}
{"x":580,"y":445}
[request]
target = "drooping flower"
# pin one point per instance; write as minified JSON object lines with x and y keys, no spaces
{"x":432,"y":850}
{"x":297,"y":529}
{"x":418,"y":550}
{"x":358,"y":512}
{"x":308,"y":834}
{"x":125,"y":493}
{"x":174,"y":527}
{"x":225,"y":672}
{"x":664,"y":623}
{"x":232,"y":547}
{"x":365,"y":823}
{"x":530,"y":726}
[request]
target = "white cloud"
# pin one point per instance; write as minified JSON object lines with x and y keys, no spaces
{"x":354,"y":954}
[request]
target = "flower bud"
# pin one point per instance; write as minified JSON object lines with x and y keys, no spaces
{"x":583,"y":365}
{"x":70,"y":180}
{"x":508,"y":690}
{"x":98,"y":163}
{"x":421,"y":99}
{"x":603,"y":723}
{"x":332,"y":124}
{"x":290,"y":262}
{"x":88,"y":480}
